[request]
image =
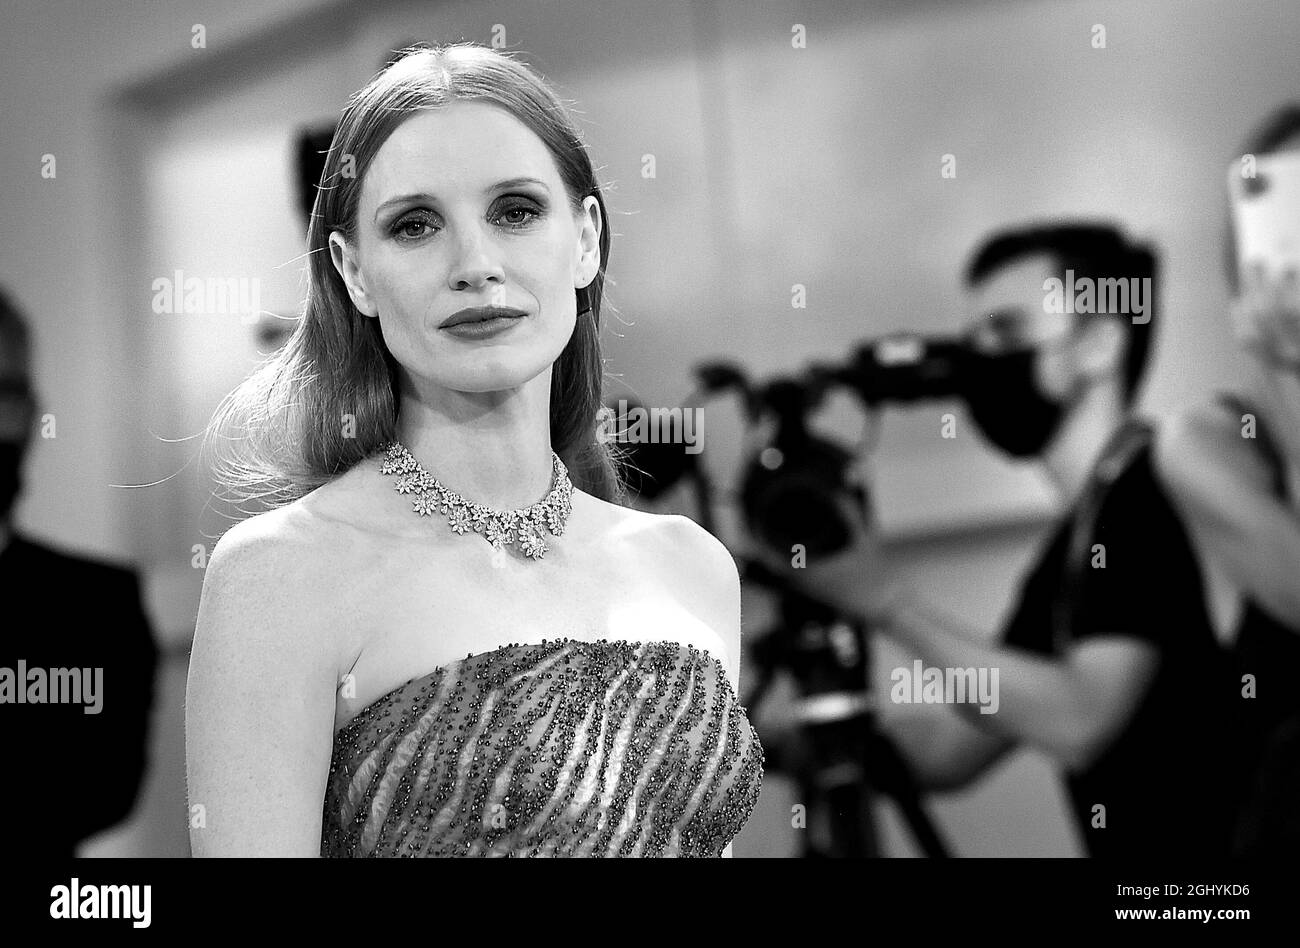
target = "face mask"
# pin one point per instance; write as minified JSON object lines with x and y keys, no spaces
{"x":11,"y":462}
{"x":1007,"y":406}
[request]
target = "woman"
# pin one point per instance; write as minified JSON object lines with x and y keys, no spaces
{"x":368,"y":680}
{"x":1232,"y":467}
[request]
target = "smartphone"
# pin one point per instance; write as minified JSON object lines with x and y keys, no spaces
{"x":1266,"y":213}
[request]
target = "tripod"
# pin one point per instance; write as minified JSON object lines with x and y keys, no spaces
{"x":841,"y":758}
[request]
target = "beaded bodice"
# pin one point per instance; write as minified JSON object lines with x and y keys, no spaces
{"x":563,"y":748}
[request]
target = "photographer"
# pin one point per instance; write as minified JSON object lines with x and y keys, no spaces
{"x":1109,"y":662}
{"x":1231,"y":468}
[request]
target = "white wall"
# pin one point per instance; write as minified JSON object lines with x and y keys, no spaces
{"x":60,"y":64}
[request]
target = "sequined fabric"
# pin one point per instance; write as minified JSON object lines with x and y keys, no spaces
{"x":563,"y":748}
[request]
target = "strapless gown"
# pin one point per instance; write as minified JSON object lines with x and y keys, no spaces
{"x":558,"y":748}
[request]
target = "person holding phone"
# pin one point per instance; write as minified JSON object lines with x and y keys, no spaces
{"x":1232,"y":467}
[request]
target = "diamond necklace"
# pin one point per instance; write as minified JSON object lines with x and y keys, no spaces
{"x":500,"y":528}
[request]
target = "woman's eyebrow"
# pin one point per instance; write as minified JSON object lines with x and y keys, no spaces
{"x":499,"y":186}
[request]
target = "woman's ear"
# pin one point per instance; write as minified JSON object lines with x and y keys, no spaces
{"x":590,"y":224}
{"x":345,"y":262}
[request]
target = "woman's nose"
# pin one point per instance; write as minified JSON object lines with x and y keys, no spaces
{"x":476,"y":259}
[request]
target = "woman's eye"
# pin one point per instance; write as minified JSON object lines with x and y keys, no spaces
{"x":520,"y":209}
{"x":515,"y":217}
{"x":404,"y":228}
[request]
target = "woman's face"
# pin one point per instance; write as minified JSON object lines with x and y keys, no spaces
{"x":463,"y":207}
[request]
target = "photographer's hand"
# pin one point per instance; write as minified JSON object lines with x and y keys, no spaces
{"x":1267,"y":319}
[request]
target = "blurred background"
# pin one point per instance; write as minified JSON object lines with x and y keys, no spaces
{"x":774,"y":166}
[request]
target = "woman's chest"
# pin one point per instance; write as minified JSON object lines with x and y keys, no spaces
{"x":419,"y":616}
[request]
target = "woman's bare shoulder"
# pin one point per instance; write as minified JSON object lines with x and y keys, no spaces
{"x":651,"y":538}
{"x":285,"y":569}
{"x":309,"y":528}
{"x":689,"y":561}
{"x":281,"y":538}
{"x":672,"y":539}
{"x":679,"y":539}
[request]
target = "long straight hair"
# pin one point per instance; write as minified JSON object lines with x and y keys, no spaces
{"x":329,"y":398}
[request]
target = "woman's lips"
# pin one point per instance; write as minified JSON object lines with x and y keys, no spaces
{"x":484,"y":328}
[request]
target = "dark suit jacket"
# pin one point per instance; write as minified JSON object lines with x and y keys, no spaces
{"x":69,"y":774}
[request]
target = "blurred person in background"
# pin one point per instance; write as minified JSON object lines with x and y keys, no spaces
{"x":1232,"y":467}
{"x":1109,"y":662}
{"x":72,"y":627}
